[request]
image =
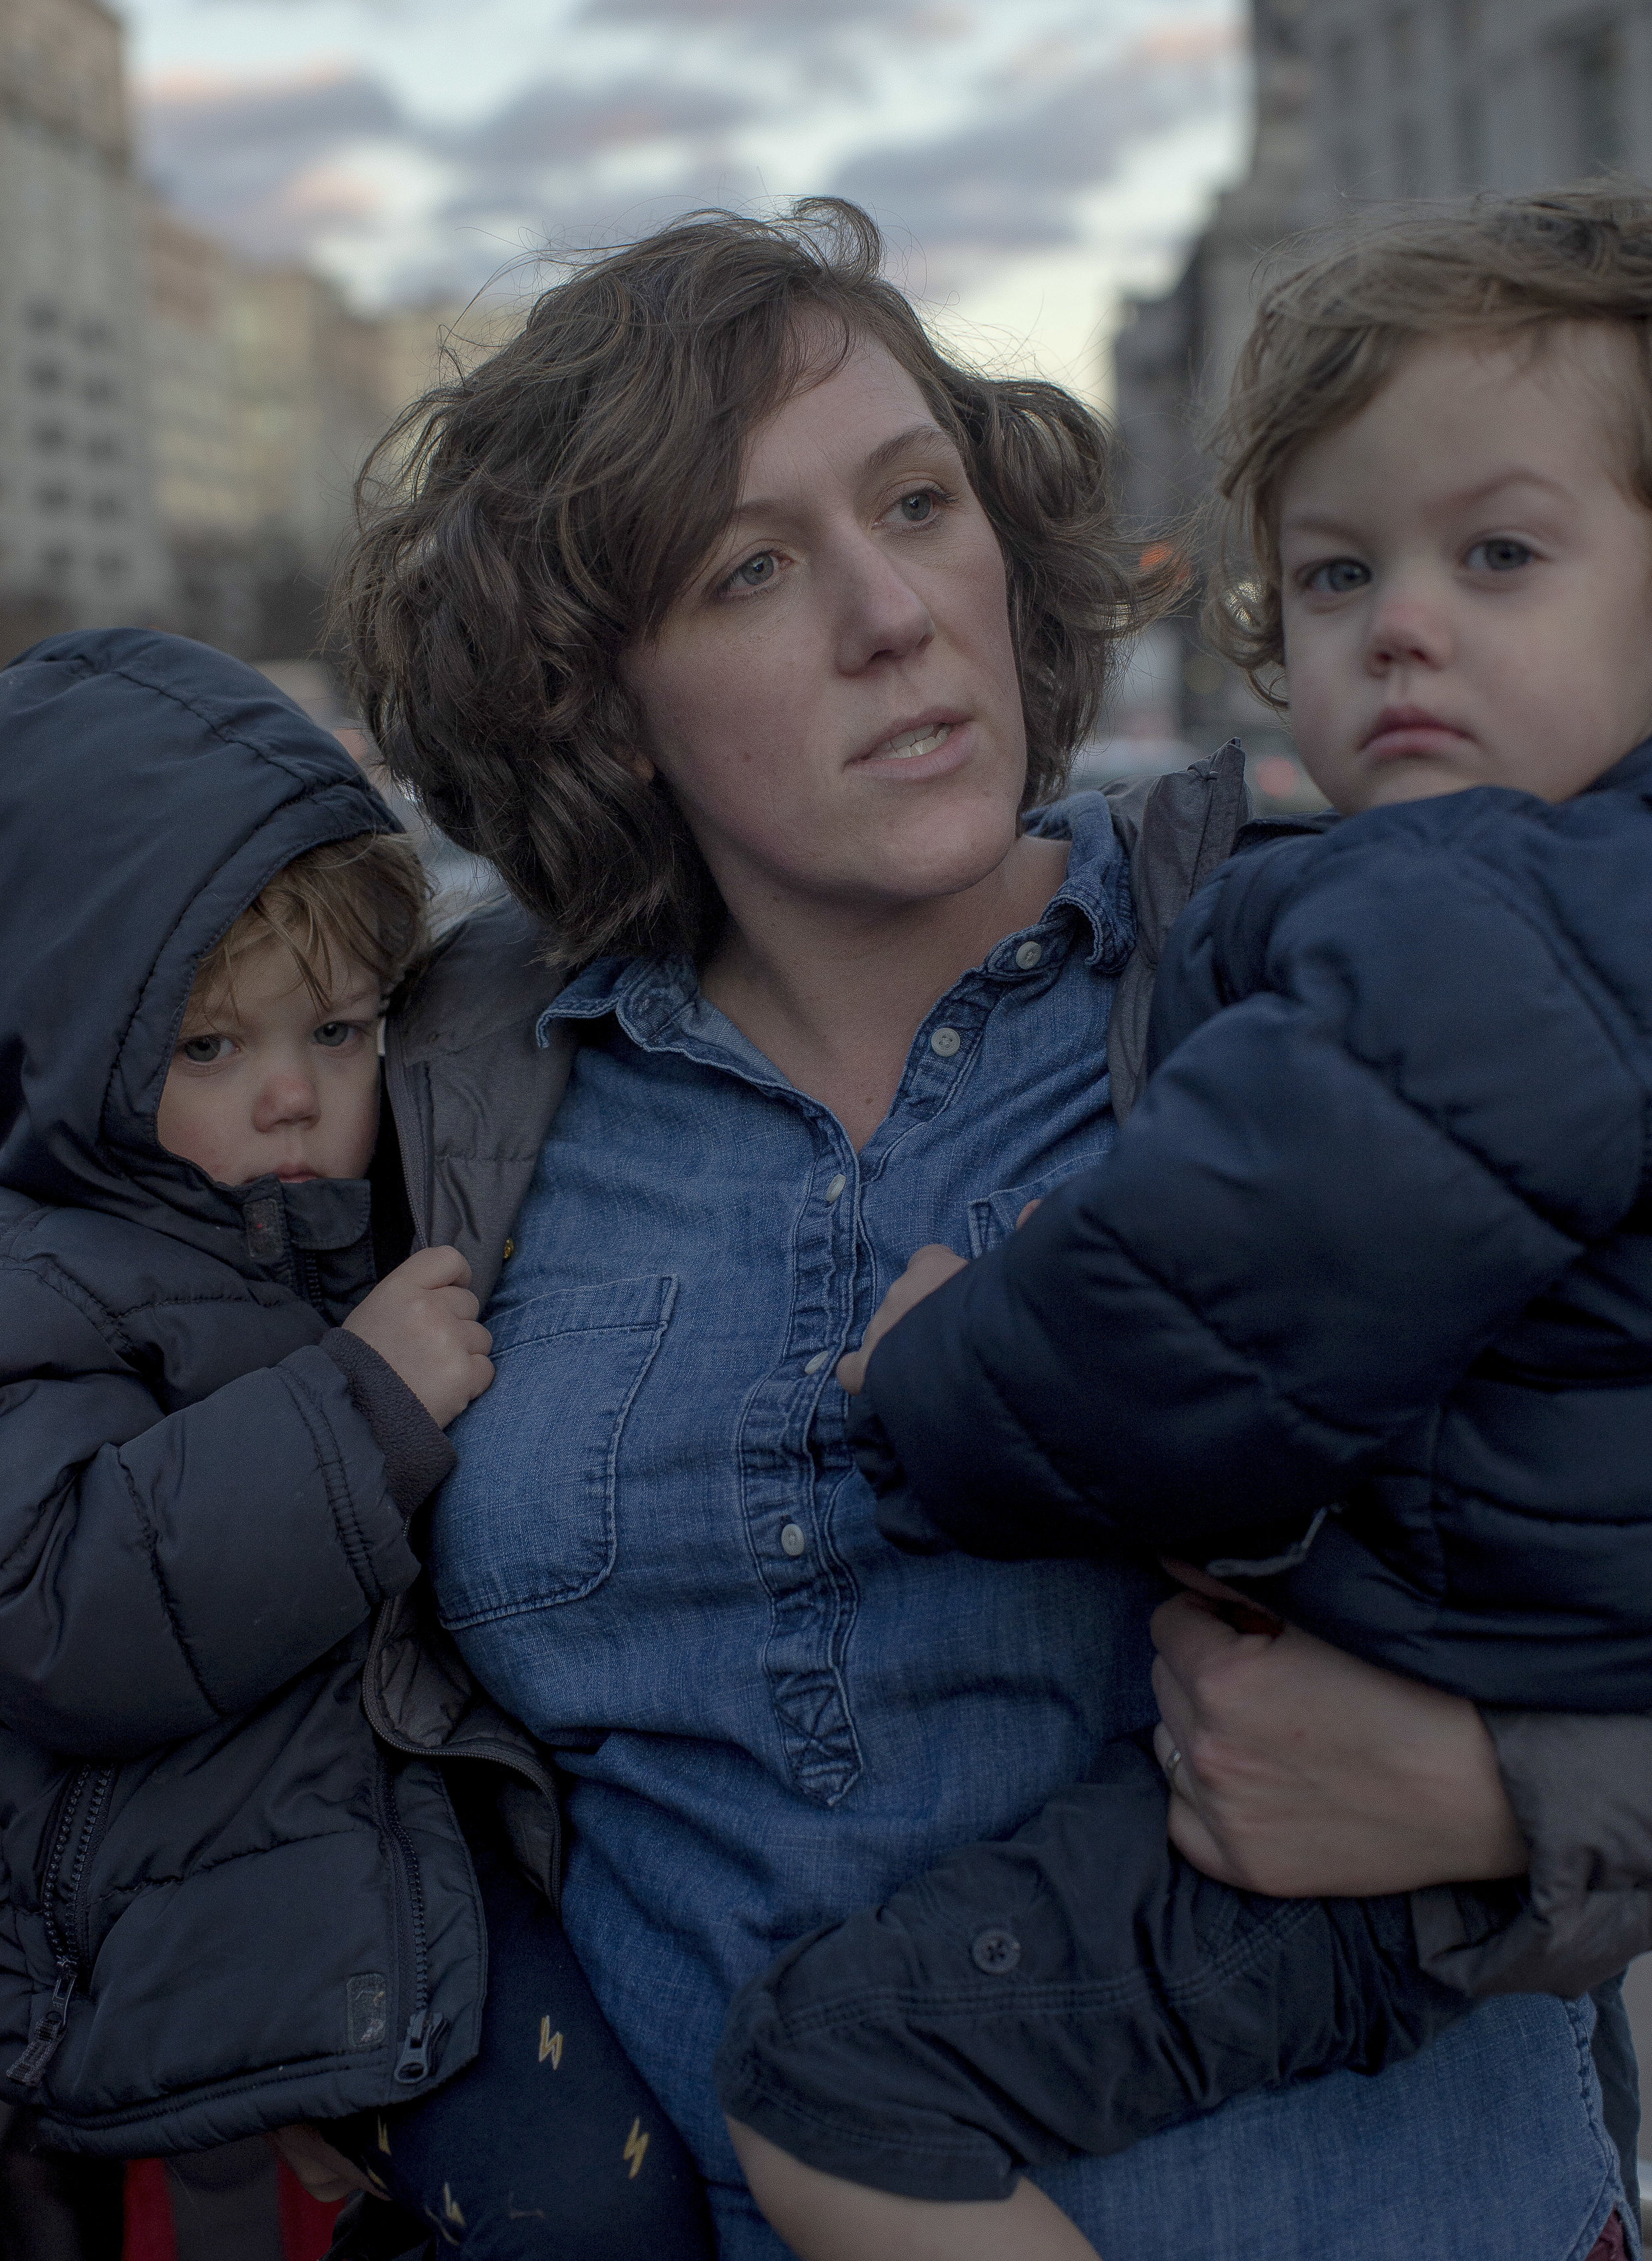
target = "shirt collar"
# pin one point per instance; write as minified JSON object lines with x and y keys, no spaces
{"x":646,"y":994}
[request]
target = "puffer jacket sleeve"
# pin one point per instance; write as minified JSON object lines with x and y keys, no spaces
{"x":1331,"y":1198}
{"x":1581,"y":1787}
{"x":160,"y":1574}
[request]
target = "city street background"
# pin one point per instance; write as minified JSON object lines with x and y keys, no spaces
{"x":240,"y":233}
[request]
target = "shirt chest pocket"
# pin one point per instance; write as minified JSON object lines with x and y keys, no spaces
{"x":526,"y":1519}
{"x":993,"y":1216}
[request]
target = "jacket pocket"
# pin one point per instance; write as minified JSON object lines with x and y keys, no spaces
{"x":525,"y":1521}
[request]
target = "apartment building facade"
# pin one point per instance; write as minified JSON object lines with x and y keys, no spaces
{"x":80,"y":540}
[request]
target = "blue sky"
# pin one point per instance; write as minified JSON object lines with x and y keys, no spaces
{"x":1029,"y":159}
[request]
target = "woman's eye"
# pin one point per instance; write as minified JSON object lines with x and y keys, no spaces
{"x":918,"y":507}
{"x":1337,"y":575}
{"x":1501,"y":555}
{"x":333,"y":1034}
{"x":205,"y":1051}
{"x":756,"y":573}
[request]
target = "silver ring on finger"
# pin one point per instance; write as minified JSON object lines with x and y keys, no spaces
{"x":1170,"y":1766}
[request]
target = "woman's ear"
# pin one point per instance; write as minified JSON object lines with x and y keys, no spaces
{"x":639,"y":766}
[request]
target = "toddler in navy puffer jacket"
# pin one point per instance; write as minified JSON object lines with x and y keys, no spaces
{"x":1358,"y":1313}
{"x":227,"y":1905}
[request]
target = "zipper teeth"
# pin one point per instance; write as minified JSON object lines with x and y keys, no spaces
{"x":82,"y":1853}
{"x":415,"y":1894}
{"x":55,"y":1940}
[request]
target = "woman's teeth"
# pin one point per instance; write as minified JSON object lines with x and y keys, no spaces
{"x":911,"y":744}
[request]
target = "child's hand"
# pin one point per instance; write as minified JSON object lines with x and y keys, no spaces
{"x":928,"y":1269}
{"x":421,"y":1320}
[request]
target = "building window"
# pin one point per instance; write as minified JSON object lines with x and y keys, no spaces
{"x":108,"y":506}
{"x":49,"y":437}
{"x":101,"y":389}
{"x":57,"y":564}
{"x":110,"y":566}
{"x":40,"y":315}
{"x":1342,"y":71}
{"x":1593,"y":68}
{"x":1471,"y":141}
{"x":46,"y":376}
{"x":53,"y":498}
{"x":102,"y":448}
{"x":1402,"y":45}
{"x":1410,"y":158}
{"x":1465,"y":26}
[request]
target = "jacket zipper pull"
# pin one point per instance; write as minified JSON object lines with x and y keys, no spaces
{"x":420,"y":2046}
{"x":29,"y":2071}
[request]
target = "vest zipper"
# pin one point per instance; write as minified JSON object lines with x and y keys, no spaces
{"x":424,"y":2026}
{"x":410,"y":1132}
{"x":91,"y":1786}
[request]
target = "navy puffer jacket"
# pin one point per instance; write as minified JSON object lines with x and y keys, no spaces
{"x":1376,"y":1241}
{"x":225,"y":1904}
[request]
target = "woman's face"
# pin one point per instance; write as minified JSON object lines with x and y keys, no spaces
{"x":833,"y":699}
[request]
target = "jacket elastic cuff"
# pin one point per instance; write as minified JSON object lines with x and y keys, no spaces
{"x":1580,"y":1786}
{"x":417,"y":1456}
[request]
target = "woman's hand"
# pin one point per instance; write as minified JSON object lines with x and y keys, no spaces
{"x":327,"y":2174}
{"x":926,"y":1271}
{"x":1306,"y":1772}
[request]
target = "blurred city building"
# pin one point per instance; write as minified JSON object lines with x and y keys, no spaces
{"x":79,"y":536}
{"x":180,"y":428}
{"x":1356,"y":104}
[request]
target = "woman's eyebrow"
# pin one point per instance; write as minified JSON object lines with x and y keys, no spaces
{"x":888,"y":451}
{"x":885,"y":452}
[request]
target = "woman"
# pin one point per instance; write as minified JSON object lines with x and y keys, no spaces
{"x":739,"y":629}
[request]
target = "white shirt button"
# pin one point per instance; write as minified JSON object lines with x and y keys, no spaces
{"x":835,"y":1187}
{"x":793,"y":1541}
{"x":1028,"y":956}
{"x":944,"y":1043}
{"x":817,"y":1361}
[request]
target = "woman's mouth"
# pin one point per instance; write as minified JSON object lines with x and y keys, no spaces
{"x":911,"y":744}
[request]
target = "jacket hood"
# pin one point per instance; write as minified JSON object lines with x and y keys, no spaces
{"x":150,"y":788}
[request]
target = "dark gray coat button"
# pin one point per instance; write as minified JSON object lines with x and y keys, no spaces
{"x":995,"y":1950}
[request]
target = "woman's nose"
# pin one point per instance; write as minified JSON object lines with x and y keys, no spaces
{"x":285,"y":1097}
{"x":883,"y":616}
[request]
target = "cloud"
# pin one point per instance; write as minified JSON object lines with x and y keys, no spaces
{"x":770,"y":17}
{"x":555,"y":128}
{"x":230,"y":153}
{"x":1011,"y":180}
{"x":329,"y":163}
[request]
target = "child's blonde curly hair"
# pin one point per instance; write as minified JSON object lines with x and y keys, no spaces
{"x":1328,"y":336}
{"x":360,"y":900}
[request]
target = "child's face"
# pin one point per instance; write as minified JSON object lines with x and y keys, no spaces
{"x":1467,"y":579}
{"x":267,"y":1085}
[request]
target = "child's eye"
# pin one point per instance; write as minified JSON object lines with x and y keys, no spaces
{"x":1501,"y":555}
{"x":1337,"y":575}
{"x":335,"y":1034}
{"x":205,"y":1051}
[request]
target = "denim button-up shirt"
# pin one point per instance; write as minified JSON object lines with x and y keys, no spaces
{"x":657,"y":1544}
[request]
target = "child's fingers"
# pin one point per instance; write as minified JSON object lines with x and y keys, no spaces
{"x":433,"y":1268}
{"x":481,"y":1374}
{"x":929,"y":1269}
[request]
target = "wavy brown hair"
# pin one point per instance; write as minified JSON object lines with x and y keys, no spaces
{"x":1328,"y":336}
{"x":520,"y":525}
